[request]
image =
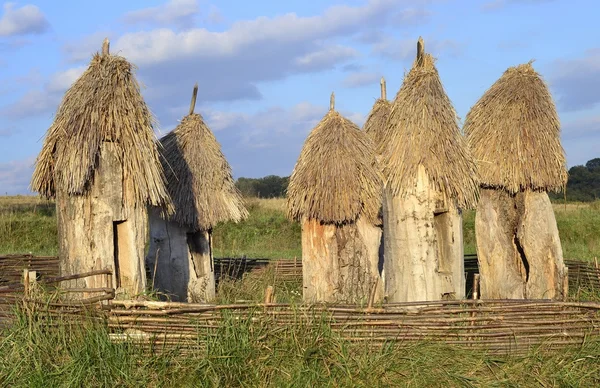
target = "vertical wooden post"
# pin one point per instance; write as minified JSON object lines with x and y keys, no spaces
{"x":26,"y":283}
{"x":332,"y":101}
{"x":565,"y":284}
{"x":476,"y":280}
{"x":105,"y":46}
{"x":420,"y":51}
{"x":193,"y":102}
{"x":268,"y":297}
{"x":383,"y":89}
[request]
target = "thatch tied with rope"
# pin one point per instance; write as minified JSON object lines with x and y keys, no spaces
{"x":334,"y":192}
{"x":100,"y":160}
{"x":514,"y":132}
{"x":376,"y":123}
{"x":429,"y":176}
{"x":203,"y":192}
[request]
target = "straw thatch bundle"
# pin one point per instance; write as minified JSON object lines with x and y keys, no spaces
{"x":377,"y":120}
{"x":514,"y":134}
{"x":199,"y":177}
{"x":335,"y":179}
{"x":103,"y":105}
{"x":423,"y":130}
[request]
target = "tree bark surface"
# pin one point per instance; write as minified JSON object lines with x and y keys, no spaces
{"x":340,"y":262}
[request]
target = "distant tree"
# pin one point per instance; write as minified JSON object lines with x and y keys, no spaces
{"x":593,"y":164}
{"x":584,"y":183}
{"x":271,"y":186}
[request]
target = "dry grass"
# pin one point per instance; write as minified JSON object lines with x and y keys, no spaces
{"x":375,"y":125}
{"x":514,"y":133}
{"x":335,"y":179}
{"x":103,"y":105}
{"x":199,"y":177}
{"x":423,"y":130}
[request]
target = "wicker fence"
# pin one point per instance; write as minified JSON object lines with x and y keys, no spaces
{"x":582,"y":275}
{"x":497,"y":326}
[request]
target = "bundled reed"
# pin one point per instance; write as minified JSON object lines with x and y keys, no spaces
{"x":377,"y":120}
{"x":422,"y":130}
{"x":514,"y":134}
{"x":335,"y":179}
{"x":103,"y":105}
{"x":199,"y":177}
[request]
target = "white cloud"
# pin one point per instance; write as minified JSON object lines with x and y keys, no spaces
{"x":230,"y":65}
{"x":83,"y":48}
{"x":412,"y":16}
{"x":355,"y":80}
{"x":21,"y":21}
{"x":46,"y":100}
{"x":63,"y":80}
{"x":15,"y":176}
{"x":279,"y":131}
{"x":576,"y":82}
{"x":179,"y":13}
{"x":325,"y":57}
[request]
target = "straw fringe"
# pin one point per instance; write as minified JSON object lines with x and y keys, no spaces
{"x":514,"y":133}
{"x":335,"y":179}
{"x":199,"y":177}
{"x":423,"y":129}
{"x":376,"y":122}
{"x":104,"y":104}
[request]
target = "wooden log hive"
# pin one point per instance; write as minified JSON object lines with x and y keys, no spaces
{"x":429,"y":178}
{"x":200,"y":182}
{"x":100,"y":162}
{"x":514,"y":132}
{"x":334,"y":191}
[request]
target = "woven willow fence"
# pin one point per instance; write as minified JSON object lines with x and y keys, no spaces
{"x":497,"y":326}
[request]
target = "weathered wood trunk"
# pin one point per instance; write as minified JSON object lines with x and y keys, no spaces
{"x":99,"y":231}
{"x":518,"y":246}
{"x":423,"y":251}
{"x":340,"y":262}
{"x":180,"y":262}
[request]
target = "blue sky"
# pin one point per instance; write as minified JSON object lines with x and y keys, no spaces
{"x":266,"y":68}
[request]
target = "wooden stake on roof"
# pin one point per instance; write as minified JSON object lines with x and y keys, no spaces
{"x":105,"y":47}
{"x":332,"y":101}
{"x":383,"y":90}
{"x":193,"y":102}
{"x":420,"y":51}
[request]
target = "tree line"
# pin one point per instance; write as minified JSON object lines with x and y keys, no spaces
{"x":271,"y":186}
{"x":583,"y":184}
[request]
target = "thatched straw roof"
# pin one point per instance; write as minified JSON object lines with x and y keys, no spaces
{"x":514,"y":134}
{"x":199,"y":178}
{"x":377,"y":120}
{"x":335,"y":179}
{"x":104,"y":104}
{"x":423,"y":130}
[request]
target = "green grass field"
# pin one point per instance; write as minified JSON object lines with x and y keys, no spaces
{"x":28,"y":224}
{"x":251,"y":354}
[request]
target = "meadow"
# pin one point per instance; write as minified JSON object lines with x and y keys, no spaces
{"x":28,"y":224}
{"x":246,"y":353}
